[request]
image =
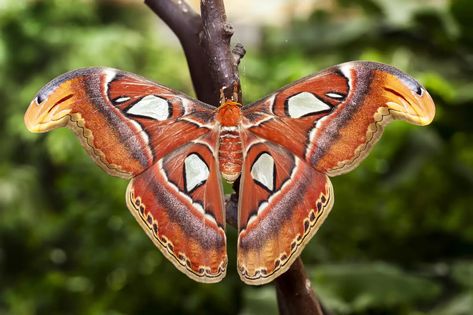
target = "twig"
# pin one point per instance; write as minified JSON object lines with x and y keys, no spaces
{"x":213,"y":66}
{"x":238,"y":54}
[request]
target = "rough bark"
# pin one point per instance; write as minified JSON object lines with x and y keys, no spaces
{"x":214,"y":66}
{"x":294,"y":292}
{"x":187,"y":26}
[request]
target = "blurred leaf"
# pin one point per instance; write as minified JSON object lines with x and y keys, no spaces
{"x":259,"y":301}
{"x":463,"y":274}
{"x":361,"y":287}
{"x":459,"y":305}
{"x":439,"y":85}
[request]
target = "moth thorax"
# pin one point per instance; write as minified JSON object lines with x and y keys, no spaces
{"x":229,"y":114}
{"x":230,"y":154}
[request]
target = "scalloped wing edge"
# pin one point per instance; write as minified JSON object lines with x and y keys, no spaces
{"x":164,"y":247}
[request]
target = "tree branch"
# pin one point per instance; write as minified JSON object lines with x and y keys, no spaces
{"x":187,"y":25}
{"x":216,"y":35}
{"x":213,"y":66}
{"x":294,"y":292}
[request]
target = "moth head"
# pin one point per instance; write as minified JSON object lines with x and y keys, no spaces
{"x":52,"y":105}
{"x":407,"y":99}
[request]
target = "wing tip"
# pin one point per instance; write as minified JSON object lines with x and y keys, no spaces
{"x":408,"y":99}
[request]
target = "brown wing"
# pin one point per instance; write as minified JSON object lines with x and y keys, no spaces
{"x":134,"y":128}
{"x":321,"y":125}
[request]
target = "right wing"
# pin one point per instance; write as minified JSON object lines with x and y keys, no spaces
{"x":320,"y":126}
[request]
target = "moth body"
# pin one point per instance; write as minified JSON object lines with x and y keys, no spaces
{"x":230,"y":154}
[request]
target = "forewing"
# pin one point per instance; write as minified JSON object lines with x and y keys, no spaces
{"x":179,"y":203}
{"x":283,"y":202}
{"x":332,"y":119}
{"x":124,"y":121}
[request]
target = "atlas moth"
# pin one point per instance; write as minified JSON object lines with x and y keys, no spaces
{"x":284,"y":148}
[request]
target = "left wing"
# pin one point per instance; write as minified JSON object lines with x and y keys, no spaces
{"x":164,"y":141}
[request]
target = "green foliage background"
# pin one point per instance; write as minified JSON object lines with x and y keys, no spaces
{"x":399,"y":239}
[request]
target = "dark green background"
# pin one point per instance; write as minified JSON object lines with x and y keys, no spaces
{"x":399,"y":239}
